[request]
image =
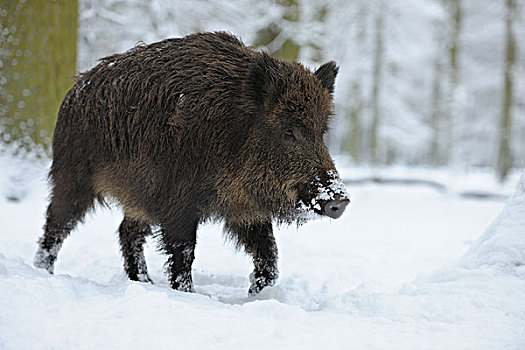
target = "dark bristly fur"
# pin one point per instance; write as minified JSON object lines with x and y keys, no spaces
{"x":184,"y":130}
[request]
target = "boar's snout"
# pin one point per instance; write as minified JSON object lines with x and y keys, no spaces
{"x":326,"y":195}
{"x":335,"y":208}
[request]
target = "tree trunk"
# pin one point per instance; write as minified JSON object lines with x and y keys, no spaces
{"x":376,"y":86}
{"x":278,"y":43}
{"x":504,"y":157}
{"x":38,"y":62}
{"x":353,"y":139}
{"x":453,"y":78}
{"x":436,"y":116}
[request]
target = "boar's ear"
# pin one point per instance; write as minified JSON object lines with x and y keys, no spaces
{"x":262,"y":79}
{"x":326,"y":74}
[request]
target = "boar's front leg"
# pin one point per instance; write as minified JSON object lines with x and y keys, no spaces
{"x":258,"y":241}
{"x":179,"y":244}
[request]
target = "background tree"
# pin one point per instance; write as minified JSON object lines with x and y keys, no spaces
{"x":437,"y":99}
{"x":504,"y":157}
{"x":280,"y":43}
{"x":38,"y":62}
{"x":436,"y":116}
{"x":437,"y":122}
{"x":354,"y":137}
{"x":377,"y":72}
{"x":451,"y":112}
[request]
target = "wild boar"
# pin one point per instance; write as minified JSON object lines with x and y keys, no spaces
{"x":190,"y":129}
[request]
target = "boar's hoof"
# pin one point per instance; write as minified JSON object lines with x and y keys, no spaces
{"x":142,"y":277}
{"x":183,"y":283}
{"x":260,"y":280}
{"x":258,"y":284}
{"x":335,"y":208}
{"x":44,"y":259}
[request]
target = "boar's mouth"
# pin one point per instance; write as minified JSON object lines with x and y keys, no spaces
{"x":326,"y":196}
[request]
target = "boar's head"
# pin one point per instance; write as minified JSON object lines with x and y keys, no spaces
{"x":292,"y":170}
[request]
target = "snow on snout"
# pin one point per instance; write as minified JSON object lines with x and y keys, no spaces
{"x":334,"y":189}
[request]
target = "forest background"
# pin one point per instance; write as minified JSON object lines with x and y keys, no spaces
{"x":435,"y":83}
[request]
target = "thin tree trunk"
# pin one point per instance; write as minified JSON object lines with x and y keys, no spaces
{"x":353,"y":143}
{"x":453,"y":80}
{"x":504,"y":157}
{"x":376,"y":86}
{"x":436,"y":116}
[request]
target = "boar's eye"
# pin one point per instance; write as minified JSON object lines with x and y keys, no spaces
{"x":290,"y":134}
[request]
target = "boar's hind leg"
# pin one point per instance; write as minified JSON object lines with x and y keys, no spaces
{"x":179,"y":244}
{"x":258,"y":241}
{"x":132,"y":234}
{"x":69,"y":203}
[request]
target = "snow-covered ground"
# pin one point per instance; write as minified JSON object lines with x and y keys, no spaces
{"x":407,"y":267}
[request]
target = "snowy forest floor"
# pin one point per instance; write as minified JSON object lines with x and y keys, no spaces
{"x":404,"y":268}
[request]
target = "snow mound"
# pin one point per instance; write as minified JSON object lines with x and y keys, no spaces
{"x":503,"y":243}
